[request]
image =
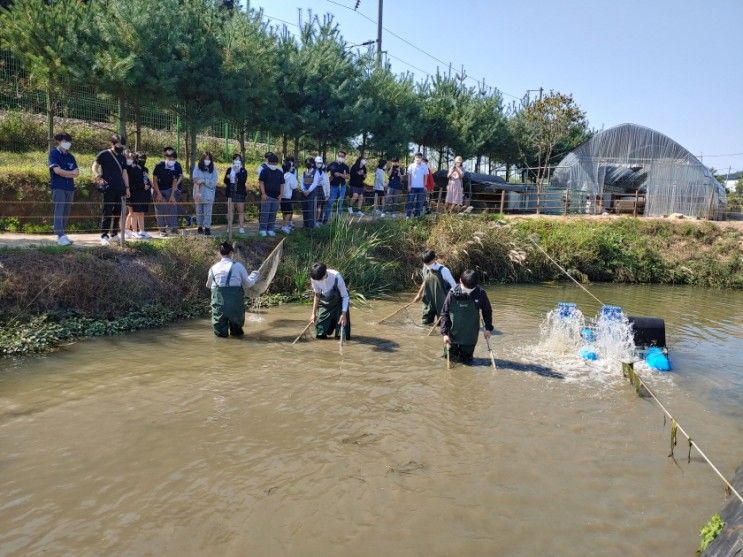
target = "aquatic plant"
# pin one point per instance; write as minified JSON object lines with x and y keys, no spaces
{"x":709,"y":532}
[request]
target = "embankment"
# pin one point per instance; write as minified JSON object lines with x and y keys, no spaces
{"x":51,"y":295}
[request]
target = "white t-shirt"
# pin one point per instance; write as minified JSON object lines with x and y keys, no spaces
{"x":379,"y":179}
{"x":417,"y":175}
{"x":239,"y":277}
{"x":290,"y":184}
{"x":325,"y":285}
{"x":445,"y":273}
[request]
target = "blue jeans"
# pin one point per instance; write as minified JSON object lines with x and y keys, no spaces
{"x":62,"y":200}
{"x":416,"y":201}
{"x":337,"y":193}
{"x":267,"y":217}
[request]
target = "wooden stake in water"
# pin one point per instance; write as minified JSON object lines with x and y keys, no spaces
{"x":340,"y":342}
{"x":304,"y":331}
{"x":448,"y":356}
{"x":492,"y":355}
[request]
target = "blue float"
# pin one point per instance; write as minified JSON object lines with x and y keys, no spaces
{"x":657,"y":359}
{"x":588,"y":334}
{"x":588,"y":353}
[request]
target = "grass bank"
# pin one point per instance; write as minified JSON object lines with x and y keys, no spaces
{"x":51,"y":295}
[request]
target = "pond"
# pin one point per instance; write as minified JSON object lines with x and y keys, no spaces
{"x":174,"y":442}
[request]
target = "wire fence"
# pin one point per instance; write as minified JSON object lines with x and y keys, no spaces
{"x":37,"y":216}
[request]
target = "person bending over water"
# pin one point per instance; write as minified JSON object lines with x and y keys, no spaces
{"x":437,"y":281}
{"x":460,"y":317}
{"x":330,"y":307}
{"x":226,"y":280}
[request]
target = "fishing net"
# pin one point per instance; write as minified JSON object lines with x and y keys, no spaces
{"x":266,"y":272}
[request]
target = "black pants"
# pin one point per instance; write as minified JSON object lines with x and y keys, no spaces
{"x":462,"y":353}
{"x":111,"y":212}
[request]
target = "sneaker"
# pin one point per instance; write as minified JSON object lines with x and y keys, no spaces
{"x":350,"y":211}
{"x":130,"y":234}
{"x":174,"y":231}
{"x":163,"y":233}
{"x":145,"y":235}
{"x":318,"y":224}
{"x":63,"y":240}
{"x":242,"y":231}
{"x":263,"y":233}
{"x":382,"y":214}
{"x":359,"y":213}
{"x":207,"y":232}
{"x":199,"y":230}
{"x":105,"y":240}
{"x":271,"y":233}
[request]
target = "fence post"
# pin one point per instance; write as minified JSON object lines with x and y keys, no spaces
{"x":637,"y":200}
{"x":178,"y":134}
{"x":229,"y":219}
{"x":226,"y":141}
{"x":502,"y":201}
{"x":122,"y":221}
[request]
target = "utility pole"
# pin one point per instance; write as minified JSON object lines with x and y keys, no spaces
{"x":379,"y":34}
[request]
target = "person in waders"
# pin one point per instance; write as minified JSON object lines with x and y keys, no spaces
{"x":437,"y":281}
{"x":227,"y":280}
{"x":330,"y":307}
{"x":460,"y":317}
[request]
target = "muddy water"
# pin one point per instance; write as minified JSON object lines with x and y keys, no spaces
{"x":173,"y":442}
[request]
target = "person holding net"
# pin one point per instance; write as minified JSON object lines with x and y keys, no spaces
{"x":227,"y":280}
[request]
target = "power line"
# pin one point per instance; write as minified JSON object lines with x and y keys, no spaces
{"x":727,"y":155}
{"x":439,"y":60}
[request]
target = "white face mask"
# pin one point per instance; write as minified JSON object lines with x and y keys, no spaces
{"x":363,"y":162}
{"x":66,"y":145}
{"x":237,"y":165}
{"x":341,"y":159}
{"x":465,"y":289}
{"x":130,"y":162}
{"x":170,"y":164}
{"x":207,"y":162}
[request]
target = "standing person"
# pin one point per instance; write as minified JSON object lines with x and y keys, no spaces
{"x":271,"y":184}
{"x":323,"y":190}
{"x":308,"y":192}
{"x":417,"y":173}
{"x":138,"y":197}
{"x":455,"y":187}
{"x":339,"y":174}
{"x":358,"y":177}
{"x":460,"y":317}
{"x":379,"y":187}
{"x":226,"y":280}
{"x":430,"y":185}
{"x":264,"y":164}
{"x":62,"y":173}
{"x":112,"y":180}
{"x":204,"y":179}
{"x":437,"y":281}
{"x":394,"y":188}
{"x":166,"y":178}
{"x":235,"y":179}
{"x":287,"y":195}
{"x":330,"y":306}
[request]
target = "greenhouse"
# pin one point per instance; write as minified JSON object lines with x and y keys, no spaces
{"x":633,"y":169}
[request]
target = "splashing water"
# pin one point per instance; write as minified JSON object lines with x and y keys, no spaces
{"x":560,"y":331}
{"x":614,"y":338}
{"x":255,"y":311}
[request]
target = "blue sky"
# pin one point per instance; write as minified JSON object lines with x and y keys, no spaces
{"x":675,"y":66}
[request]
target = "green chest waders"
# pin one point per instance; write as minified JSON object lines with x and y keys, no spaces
{"x":435,"y":289}
{"x":465,"y":326}
{"x":228,"y":306}
{"x":329,"y":312}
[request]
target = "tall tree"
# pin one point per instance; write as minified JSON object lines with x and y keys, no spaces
{"x":51,"y":40}
{"x":543,"y":125}
{"x":248,"y":89}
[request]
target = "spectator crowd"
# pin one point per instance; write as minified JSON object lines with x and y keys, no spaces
{"x":318,"y":189}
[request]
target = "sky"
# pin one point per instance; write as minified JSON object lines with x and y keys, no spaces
{"x":674,"y":66}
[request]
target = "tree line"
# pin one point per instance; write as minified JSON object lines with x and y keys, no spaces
{"x":206,"y":62}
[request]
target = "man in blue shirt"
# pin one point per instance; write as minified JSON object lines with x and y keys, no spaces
{"x":62,"y":172}
{"x":416,"y":186}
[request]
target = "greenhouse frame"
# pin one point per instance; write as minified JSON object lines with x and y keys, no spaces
{"x":639,"y":165}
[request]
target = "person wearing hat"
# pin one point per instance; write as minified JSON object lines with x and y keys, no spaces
{"x":330,"y":306}
{"x":455,"y":187}
{"x":227,"y":280}
{"x":460,"y":317}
